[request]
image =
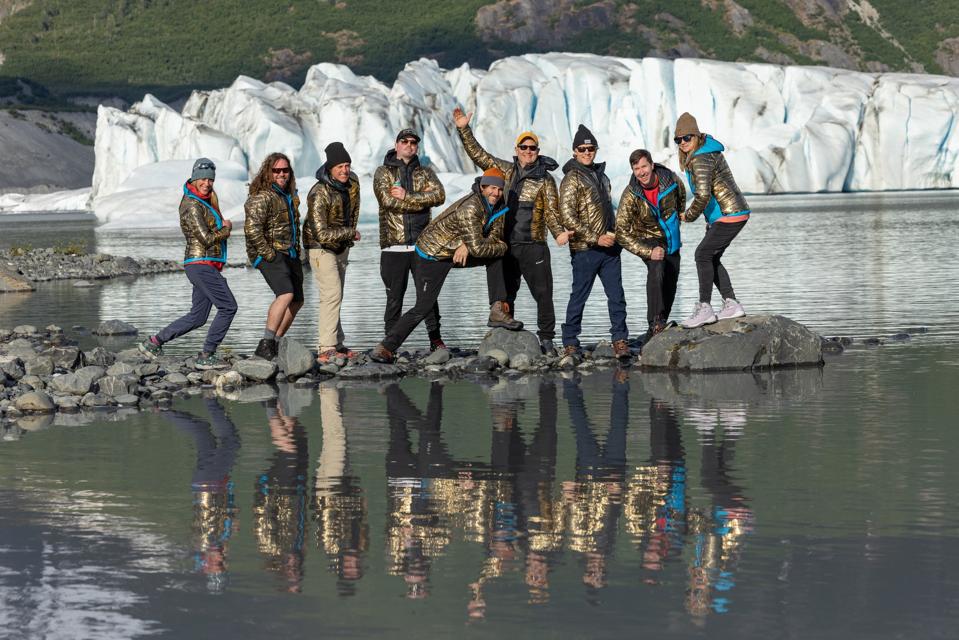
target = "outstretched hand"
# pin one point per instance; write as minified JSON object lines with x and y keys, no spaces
{"x":461,"y":119}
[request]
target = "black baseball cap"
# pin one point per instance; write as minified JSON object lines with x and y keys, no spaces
{"x":407,"y":133}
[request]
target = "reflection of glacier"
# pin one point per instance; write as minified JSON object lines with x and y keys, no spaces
{"x":788,"y":129}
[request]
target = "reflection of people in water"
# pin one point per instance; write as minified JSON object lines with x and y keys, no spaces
{"x":656,"y":492}
{"x":279,"y":500}
{"x":718,"y":533}
{"x":339,"y":506}
{"x":416,"y":532}
{"x":214,"y":511}
{"x":595,"y":500}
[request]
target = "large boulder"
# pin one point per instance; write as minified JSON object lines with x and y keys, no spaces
{"x":752,"y":342}
{"x":35,"y":402}
{"x":78,"y":382}
{"x":256,"y":369}
{"x":12,"y":282}
{"x":512,"y":343}
{"x":115,"y":328}
{"x":117,"y":385}
{"x":293,"y":358}
{"x":64,"y":357}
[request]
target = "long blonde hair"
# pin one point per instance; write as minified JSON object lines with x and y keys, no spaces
{"x":684,"y":157}
{"x":264,"y":177}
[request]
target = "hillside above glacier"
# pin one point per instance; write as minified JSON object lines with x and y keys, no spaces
{"x":786,"y":129}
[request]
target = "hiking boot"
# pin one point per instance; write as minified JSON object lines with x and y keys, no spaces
{"x":546,"y":346}
{"x":381,"y":354}
{"x":702,"y":314}
{"x":436,"y":344}
{"x":621,"y":350}
{"x":267,"y":349}
{"x":659,"y":325}
{"x":151,"y":348}
{"x":327,"y":357}
{"x":205,"y":361}
{"x":344,"y":352}
{"x":499,"y":316}
{"x":573,"y":351}
{"x":731,"y":309}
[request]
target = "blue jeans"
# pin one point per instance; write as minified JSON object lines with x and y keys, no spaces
{"x":588,"y":264}
{"x":209,"y":288}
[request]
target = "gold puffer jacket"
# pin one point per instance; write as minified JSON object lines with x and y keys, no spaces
{"x":327,"y":226}
{"x":269,"y":227}
{"x":715,"y":192}
{"x":402,"y":221}
{"x":636,"y":227}
{"x":204,"y":240}
{"x":468,"y":222}
{"x":584,"y":204}
{"x":534,"y":205}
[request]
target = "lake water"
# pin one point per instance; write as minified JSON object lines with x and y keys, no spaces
{"x":812,"y":503}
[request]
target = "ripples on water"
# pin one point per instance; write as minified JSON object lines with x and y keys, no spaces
{"x":727,"y":505}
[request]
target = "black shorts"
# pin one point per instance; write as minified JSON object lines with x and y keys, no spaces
{"x":284,"y":275}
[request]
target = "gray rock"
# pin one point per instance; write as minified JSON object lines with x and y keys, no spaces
{"x":176,"y":378}
{"x":24,"y":330}
{"x":78,"y":382}
{"x":121,"y":369}
{"x":228,"y":379}
{"x":256,"y":369}
{"x":127,"y":399}
{"x":147,"y":369}
{"x":753,"y":342}
{"x":330,"y":368}
{"x":64,"y":357}
{"x":53,"y":328}
{"x":603,"y":350}
{"x":195,"y":377}
{"x":13,"y":367}
{"x":115,"y":328}
{"x":38,"y":366}
{"x":67,"y":403}
{"x":117,"y":385}
{"x":35,"y":402}
{"x":21,"y":348}
{"x":209,"y":376}
{"x":132,"y":356}
{"x":100,"y":357}
{"x":511,"y":342}
{"x":83,"y":284}
{"x":97,"y":400}
{"x":371,"y":371}
{"x":501,"y":357}
{"x":11,"y":282}
{"x":293,"y":358}
{"x":522,"y":362}
{"x":440,"y":356}
{"x":34,"y":382}
{"x":480,"y":364}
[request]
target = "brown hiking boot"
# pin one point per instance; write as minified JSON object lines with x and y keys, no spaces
{"x":621,"y":350}
{"x":499,"y":316}
{"x":573,"y":351}
{"x":381,"y":354}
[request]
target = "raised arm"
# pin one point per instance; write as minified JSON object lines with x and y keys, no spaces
{"x":477,"y":153}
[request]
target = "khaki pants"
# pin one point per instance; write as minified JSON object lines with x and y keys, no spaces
{"x":329,"y":270}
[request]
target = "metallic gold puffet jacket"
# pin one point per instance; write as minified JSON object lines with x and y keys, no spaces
{"x":714,"y":189}
{"x":272,"y":224}
{"x":584,"y":204}
{"x":640,"y":228}
{"x":402,"y":221}
{"x":199,"y":225}
{"x":327,"y":225}
{"x":467,"y":221}
{"x":536,"y":187}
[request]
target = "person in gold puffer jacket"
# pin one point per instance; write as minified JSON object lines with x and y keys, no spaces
{"x":328,"y":234}
{"x":533,"y":208}
{"x":468,"y":234}
{"x":715,"y":195}
{"x":206,"y":232}
{"x":273,"y":245}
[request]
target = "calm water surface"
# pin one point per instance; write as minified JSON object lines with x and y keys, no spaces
{"x":813,"y":503}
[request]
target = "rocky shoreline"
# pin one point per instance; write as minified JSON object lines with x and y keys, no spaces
{"x":19,"y":268}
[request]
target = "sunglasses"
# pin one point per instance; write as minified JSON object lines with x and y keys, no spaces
{"x":527,"y":147}
{"x":586,"y":149}
{"x":205,"y":165}
{"x":685,"y":138}
{"x":281,"y":170}
{"x":409,"y":141}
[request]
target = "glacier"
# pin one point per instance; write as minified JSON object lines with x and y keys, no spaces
{"x":787,"y":129}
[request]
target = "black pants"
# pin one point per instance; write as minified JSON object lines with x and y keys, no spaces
{"x":395,"y":269}
{"x":428,"y":278}
{"x":661,"y":278}
{"x":710,"y":251}
{"x":531,"y":262}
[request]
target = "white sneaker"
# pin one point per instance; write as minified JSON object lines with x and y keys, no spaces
{"x":731,"y":309}
{"x":702,"y":314}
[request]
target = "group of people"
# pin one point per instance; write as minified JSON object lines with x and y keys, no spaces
{"x":501,"y":224}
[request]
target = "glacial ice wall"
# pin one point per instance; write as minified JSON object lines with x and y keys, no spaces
{"x":786,"y":129}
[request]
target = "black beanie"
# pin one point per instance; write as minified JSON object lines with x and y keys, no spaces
{"x":336,"y":154}
{"x":584,"y":136}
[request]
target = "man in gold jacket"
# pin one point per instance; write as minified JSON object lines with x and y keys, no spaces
{"x":405,"y":191}
{"x":533,"y":208}
{"x":468,"y":234}
{"x":273,"y":245}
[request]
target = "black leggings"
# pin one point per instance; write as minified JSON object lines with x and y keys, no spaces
{"x":710,"y":251}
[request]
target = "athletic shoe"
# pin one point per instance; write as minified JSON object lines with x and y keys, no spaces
{"x":327,"y":357}
{"x":731,"y":309}
{"x":344,"y":352}
{"x":206,"y":361}
{"x":267,"y":349}
{"x":546,"y":346}
{"x":381,"y":354}
{"x":150,"y":348}
{"x":702,"y":314}
{"x":436,"y":344}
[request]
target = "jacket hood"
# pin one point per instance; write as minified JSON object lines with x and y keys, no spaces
{"x":575,"y":165}
{"x":391,"y":160}
{"x":326,"y":178}
{"x":712,"y":145}
{"x":659,"y":170}
{"x":539,"y":168}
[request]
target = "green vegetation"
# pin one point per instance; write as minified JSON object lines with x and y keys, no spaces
{"x":18,"y":250}
{"x":70,"y":248}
